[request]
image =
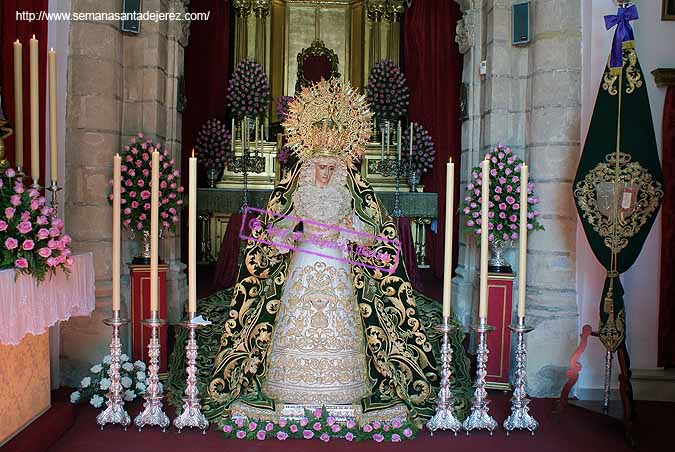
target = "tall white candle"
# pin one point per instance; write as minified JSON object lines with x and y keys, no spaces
{"x":485,"y":194}
{"x":34,"y":111}
{"x":53,"y":145}
{"x":116,"y":239}
{"x":388,"y":140}
{"x":412,"y":127}
{"x":233,"y":131}
{"x":154,"y":234}
{"x":522,"y":262}
{"x":192,"y":240}
{"x":18,"y":104}
{"x":449,"y":211}
{"x":398,"y":140}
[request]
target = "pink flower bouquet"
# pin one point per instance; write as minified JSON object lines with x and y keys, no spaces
{"x":504,"y":203}
{"x":136,"y":189}
{"x":32,"y":240}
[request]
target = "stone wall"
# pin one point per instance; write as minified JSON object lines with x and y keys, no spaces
{"x":530,"y":100}
{"x":118,"y":84}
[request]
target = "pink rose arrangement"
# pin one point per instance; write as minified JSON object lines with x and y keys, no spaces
{"x":32,"y":238}
{"x":504,"y":203}
{"x":136,"y":189}
{"x":318,"y":424}
{"x":248,"y":92}
{"x":388,"y":93}
{"x":212,"y":145}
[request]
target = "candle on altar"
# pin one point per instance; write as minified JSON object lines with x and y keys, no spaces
{"x":388,"y":140}
{"x":522,"y":262}
{"x":257,"y":131}
{"x":398,"y":140}
{"x":484,"y":220}
{"x":233,"y":136}
{"x":34,"y":111}
{"x":447,"y":265}
{"x":154,"y":234}
{"x":53,"y":145}
{"x":382,"y":145}
{"x":18,"y":103}
{"x":192,"y":240}
{"x":116,"y":242}
{"x":412,"y":127}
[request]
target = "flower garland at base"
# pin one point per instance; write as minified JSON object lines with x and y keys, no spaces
{"x":94,"y":387}
{"x":318,"y":424}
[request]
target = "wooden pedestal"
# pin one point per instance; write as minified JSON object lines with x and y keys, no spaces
{"x":500,"y":298}
{"x":140,"y":310}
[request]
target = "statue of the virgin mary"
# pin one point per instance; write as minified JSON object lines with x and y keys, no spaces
{"x":313,"y":320}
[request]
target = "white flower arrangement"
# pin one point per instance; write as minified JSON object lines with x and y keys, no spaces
{"x":94,"y":387}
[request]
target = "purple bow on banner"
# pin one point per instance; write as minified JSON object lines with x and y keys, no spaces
{"x":623,"y":33}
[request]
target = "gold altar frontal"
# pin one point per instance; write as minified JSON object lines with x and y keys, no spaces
{"x":341,"y":413}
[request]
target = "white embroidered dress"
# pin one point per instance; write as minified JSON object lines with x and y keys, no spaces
{"x":317,"y":354}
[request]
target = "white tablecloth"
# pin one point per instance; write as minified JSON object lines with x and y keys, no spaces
{"x":26,"y":307}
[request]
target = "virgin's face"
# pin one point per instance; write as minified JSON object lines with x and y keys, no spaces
{"x":323,"y":173}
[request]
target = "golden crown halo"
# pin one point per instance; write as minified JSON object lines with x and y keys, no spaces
{"x":328,"y":119}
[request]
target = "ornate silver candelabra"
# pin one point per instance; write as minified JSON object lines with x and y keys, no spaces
{"x":153,"y":413}
{"x":54,"y":188}
{"x":520,"y":417}
{"x":444,"y":418}
{"x":114,"y":413}
{"x":244,"y":165}
{"x":480,"y":418}
{"x":192,"y":415}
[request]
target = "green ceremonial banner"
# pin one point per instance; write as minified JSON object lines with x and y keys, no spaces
{"x":618,"y":185}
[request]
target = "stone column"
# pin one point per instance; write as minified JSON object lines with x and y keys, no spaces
{"x":375,"y":13}
{"x":243,"y":10}
{"x":262,"y":10}
{"x":529,"y":99}
{"x":119,"y":85}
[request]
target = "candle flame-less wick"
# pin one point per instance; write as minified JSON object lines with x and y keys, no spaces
{"x":33,"y":36}
{"x":193,"y":152}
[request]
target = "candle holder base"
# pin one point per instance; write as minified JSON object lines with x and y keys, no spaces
{"x":520,"y":417}
{"x":480,"y":419}
{"x":153,"y":413}
{"x":191,"y":415}
{"x":54,"y":188}
{"x":444,"y":418}
{"x":114,"y":413}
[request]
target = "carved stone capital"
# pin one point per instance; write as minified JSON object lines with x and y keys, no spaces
{"x":394,"y":10}
{"x":465,"y":31}
{"x":376,"y":9}
{"x":261,"y":7}
{"x":182,"y":28}
{"x":243,"y":7}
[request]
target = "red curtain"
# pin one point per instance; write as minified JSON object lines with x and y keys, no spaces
{"x":666,"y":357}
{"x":207,"y":68}
{"x":433,"y":67}
{"x":23,"y":30}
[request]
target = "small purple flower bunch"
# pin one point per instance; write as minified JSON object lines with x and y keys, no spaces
{"x":504,"y":203}
{"x":32,"y":240}
{"x":212,"y":145}
{"x":423,"y":152}
{"x":388,"y":93}
{"x":282,"y":106}
{"x":136,"y":186}
{"x":248,"y":91}
{"x":318,"y":424}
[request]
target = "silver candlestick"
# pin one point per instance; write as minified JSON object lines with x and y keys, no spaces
{"x":480,"y":418}
{"x":520,"y":417}
{"x":54,"y":188}
{"x":114,"y":413}
{"x":445,"y":419}
{"x":153,"y":413}
{"x":192,"y":415}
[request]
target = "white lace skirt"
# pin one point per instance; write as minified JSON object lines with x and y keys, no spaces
{"x":317,"y":354}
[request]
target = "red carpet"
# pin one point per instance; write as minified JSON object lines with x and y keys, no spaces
{"x":47,"y":429}
{"x":579,"y":431}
